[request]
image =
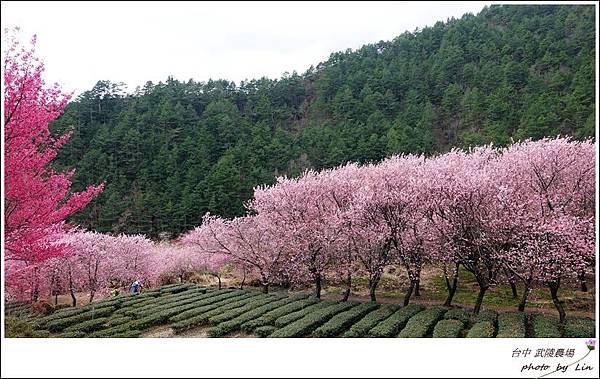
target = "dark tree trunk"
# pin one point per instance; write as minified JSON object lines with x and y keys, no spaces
{"x":348,"y":288}
{"x":92,"y":296}
{"x":73,"y":298}
{"x":372,"y":287}
{"x":219,"y":278}
{"x":409,"y":292}
{"x":513,"y":288}
{"x":526,"y":292}
{"x":554,"y":286}
{"x":266,"y":288}
{"x":318,"y":286}
{"x":511,"y":281}
{"x":482,"y":290}
{"x":451,"y":287}
{"x":55,"y":299}
{"x":243,"y":280}
{"x":582,"y":282}
{"x":418,"y":287}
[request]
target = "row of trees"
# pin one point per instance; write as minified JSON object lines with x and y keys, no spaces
{"x":95,"y":263}
{"x":523,"y":213}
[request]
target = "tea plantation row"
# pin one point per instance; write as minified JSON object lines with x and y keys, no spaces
{"x":229,"y":311}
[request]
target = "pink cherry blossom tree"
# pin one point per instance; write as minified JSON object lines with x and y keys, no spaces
{"x":249,"y":241}
{"x":37,"y":198}
{"x":549,"y":185}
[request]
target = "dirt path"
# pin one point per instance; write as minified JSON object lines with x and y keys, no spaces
{"x":164,"y":331}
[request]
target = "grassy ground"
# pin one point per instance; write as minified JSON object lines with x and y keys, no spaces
{"x":433,"y":291}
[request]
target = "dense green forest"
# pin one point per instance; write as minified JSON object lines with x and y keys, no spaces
{"x":169,"y":152}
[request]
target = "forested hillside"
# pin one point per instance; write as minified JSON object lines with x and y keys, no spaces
{"x":172,"y":151}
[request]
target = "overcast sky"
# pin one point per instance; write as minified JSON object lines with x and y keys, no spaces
{"x":82,"y":43}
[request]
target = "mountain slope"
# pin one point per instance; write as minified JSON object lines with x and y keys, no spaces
{"x":172,"y":151}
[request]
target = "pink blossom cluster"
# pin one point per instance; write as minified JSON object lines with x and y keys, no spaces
{"x":37,"y":198}
{"x":525,"y":211}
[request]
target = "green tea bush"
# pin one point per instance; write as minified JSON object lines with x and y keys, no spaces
{"x":458,"y":314}
{"x":119,"y":329}
{"x":129,"y":334}
{"x":188,"y":302}
{"x":580,"y":327}
{"x":251,"y":305}
{"x":393,"y":324}
{"x":235,"y":323}
{"x":270,"y":317}
{"x":212,"y":303}
{"x":119,"y":320}
{"x":42,"y":321}
{"x":342,"y":321}
{"x":422,"y":323}
{"x":487,"y":315}
{"x":450,"y":328}
{"x":42,"y":308}
{"x":311,"y":321}
{"x":205,"y":313}
{"x":289,"y":318}
{"x":41,"y":334}
{"x":362,"y":327}
{"x":61,"y":324}
{"x":71,"y":335}
{"x":511,"y":325}
{"x":482,"y":329}
{"x":87,"y":326}
{"x":545,"y":326}
{"x":264,"y":331}
{"x":16,"y":327}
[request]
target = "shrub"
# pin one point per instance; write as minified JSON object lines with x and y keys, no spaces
{"x":256,"y":302}
{"x":41,"y":334}
{"x":115,"y":330}
{"x":393,"y":324}
{"x":42,"y":308}
{"x":61,"y":324}
{"x":289,"y":318}
{"x":72,"y":335}
{"x":61,"y":306}
{"x":545,"y":326}
{"x":15,"y":327}
{"x":264,"y":331}
{"x":88,"y":326}
{"x":344,"y":320}
{"x":235,"y":323}
{"x":311,"y":321}
{"x":175,"y":303}
{"x":136,"y":300}
{"x":17,"y":309}
{"x":175,"y":288}
{"x":114,"y":321}
{"x":580,"y":327}
{"x":212,"y":303}
{"x":270,"y":317}
{"x":204,"y":313}
{"x":422,"y":323}
{"x":511,"y":325}
{"x":458,"y":314}
{"x":129,"y":334}
{"x":482,"y":329}
{"x":448,"y":328}
{"x":362,"y":327}
{"x":487,"y":315}
{"x":41,"y":322}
